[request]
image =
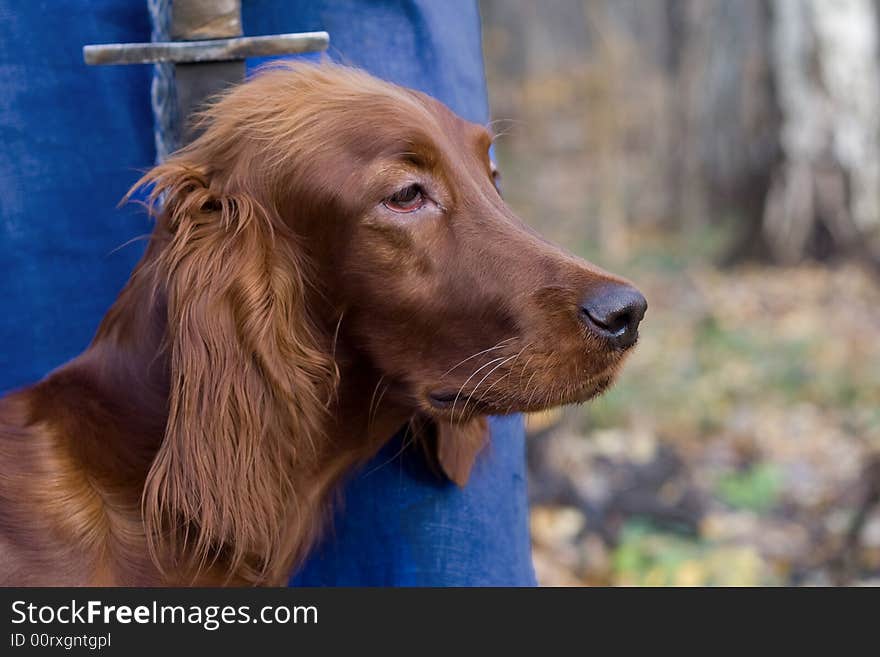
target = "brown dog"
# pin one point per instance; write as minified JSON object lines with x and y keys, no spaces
{"x":331,"y":260}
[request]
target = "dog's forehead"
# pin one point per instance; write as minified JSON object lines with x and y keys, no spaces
{"x":426,"y":127}
{"x":452,"y":124}
{"x":369,"y":117}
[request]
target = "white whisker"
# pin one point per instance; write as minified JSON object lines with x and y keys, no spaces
{"x":477,"y":387}
{"x":479,"y":353}
{"x":512,"y":358}
{"x":473,"y":374}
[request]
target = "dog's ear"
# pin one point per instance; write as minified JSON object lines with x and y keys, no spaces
{"x":249,"y":379}
{"x":458,"y":446}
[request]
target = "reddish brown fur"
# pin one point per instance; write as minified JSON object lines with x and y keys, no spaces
{"x":282,"y":324}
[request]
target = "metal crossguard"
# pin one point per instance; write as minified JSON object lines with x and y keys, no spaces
{"x":206,"y":48}
{"x":210,"y":50}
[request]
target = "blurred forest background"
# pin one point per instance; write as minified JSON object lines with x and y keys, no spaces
{"x":725,"y":156}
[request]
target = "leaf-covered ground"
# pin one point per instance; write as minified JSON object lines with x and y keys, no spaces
{"x":737,"y":447}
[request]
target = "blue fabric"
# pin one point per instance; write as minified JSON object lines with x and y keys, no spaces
{"x":72,"y":140}
{"x":399,"y":525}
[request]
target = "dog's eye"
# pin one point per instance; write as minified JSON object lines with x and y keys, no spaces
{"x":408,"y":199}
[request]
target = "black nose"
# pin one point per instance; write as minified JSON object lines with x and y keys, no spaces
{"x":614,"y":312}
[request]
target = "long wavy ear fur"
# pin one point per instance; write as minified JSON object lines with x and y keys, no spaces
{"x":249,"y":383}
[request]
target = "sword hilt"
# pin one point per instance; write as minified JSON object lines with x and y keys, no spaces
{"x":208,"y":57}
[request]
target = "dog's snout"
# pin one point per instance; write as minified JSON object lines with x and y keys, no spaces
{"x":614,"y":312}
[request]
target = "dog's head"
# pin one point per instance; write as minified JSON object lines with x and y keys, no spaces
{"x":461,"y":307}
{"x":323,"y":215}
{"x":464,"y":308}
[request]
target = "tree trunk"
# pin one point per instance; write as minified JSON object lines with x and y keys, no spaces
{"x":762,"y":115}
{"x":825,"y":193}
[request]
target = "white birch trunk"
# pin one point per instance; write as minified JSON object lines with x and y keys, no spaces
{"x":825,"y":61}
